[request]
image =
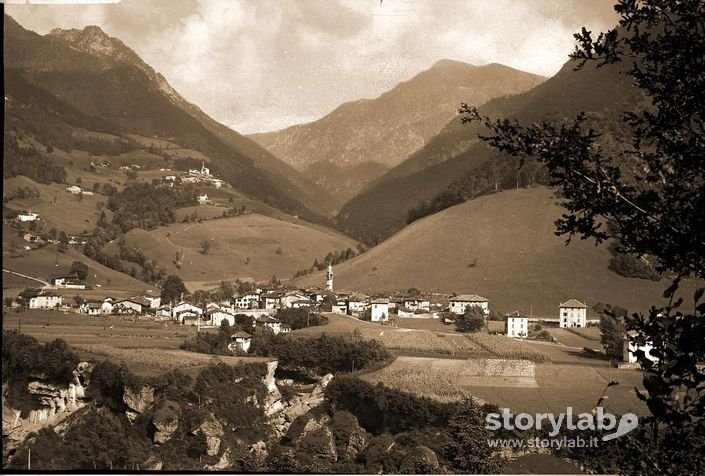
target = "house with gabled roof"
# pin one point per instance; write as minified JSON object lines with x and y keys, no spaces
{"x":572,"y":313}
{"x":268,"y":322}
{"x":240,"y":340}
{"x":215,"y":317}
{"x":459,"y":304}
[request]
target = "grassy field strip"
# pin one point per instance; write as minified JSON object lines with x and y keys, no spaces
{"x":508,"y":348}
{"x":418,"y":340}
{"x":589,"y":333}
{"x":164,"y":359}
{"x":450,"y":379}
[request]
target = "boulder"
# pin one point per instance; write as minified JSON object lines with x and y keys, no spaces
{"x":165,"y":421}
{"x":138,"y":401}
{"x":223,"y":463}
{"x":213,"y":431}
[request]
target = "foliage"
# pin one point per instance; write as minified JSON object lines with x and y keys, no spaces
{"x":79,"y":269}
{"x":142,"y":205}
{"x":29,"y":162}
{"x":612,"y":333}
{"x":632,"y":266}
{"x":380,"y":409}
{"x":652,"y":192}
{"x":172,"y":288}
{"x":299,"y":318}
{"x":322,"y":354}
{"x":473,"y":320}
{"x":210,"y":343}
{"x":205,"y":246}
{"x":332,"y":258}
{"x":23,"y":355}
{"x":468,"y":449}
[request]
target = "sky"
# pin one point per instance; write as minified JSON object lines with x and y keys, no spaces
{"x":261,"y":65}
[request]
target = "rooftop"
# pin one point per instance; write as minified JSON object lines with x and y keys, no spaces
{"x":469,"y":298}
{"x":573,"y":303}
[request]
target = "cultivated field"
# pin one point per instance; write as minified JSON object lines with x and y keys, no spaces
{"x":590,"y":333}
{"x":507,"y":347}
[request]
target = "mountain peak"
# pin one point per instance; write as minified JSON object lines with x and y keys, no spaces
{"x":94,"y":41}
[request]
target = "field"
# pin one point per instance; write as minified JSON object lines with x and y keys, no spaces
{"x":246,"y":247}
{"x":450,"y":379}
{"x":521,"y":264}
{"x":507,"y":348}
{"x":57,"y":208}
{"x":115,"y":331}
{"x":400,"y":339}
{"x":42,"y":263}
{"x":146,"y":361}
{"x":589,"y":333}
{"x":519,"y":385}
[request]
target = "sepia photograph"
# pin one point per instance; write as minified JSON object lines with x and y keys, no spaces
{"x":354,"y":236}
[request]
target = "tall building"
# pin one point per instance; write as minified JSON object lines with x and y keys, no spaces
{"x":329,"y":278}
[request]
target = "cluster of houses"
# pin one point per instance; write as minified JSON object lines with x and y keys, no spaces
{"x":571,"y":313}
{"x":200,"y":176}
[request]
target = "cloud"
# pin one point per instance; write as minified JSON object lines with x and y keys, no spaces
{"x":265,"y":64}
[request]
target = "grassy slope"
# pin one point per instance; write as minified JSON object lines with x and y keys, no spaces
{"x":233,"y":240}
{"x":41,"y":263}
{"x":520,"y":262}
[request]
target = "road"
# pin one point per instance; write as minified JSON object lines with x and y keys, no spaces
{"x":45,"y":283}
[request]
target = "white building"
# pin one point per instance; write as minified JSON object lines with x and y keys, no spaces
{"x":107,"y":306}
{"x":27,"y":216}
{"x":340,"y":307}
{"x":185,"y":306}
{"x":517,"y":324}
{"x":630,"y":349}
{"x":216,"y":317}
{"x":271,"y":300}
{"x":268,"y":322}
{"x":459,"y":304}
{"x":379,"y":310}
{"x":45,"y":301}
{"x":202,"y":199}
{"x":130,"y":306}
{"x":74,"y":189}
{"x":573,"y":313}
{"x":154,"y":302}
{"x":241,"y":340}
{"x":247,"y":301}
{"x":417,"y":304}
{"x":290,"y":298}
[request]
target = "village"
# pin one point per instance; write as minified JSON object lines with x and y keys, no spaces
{"x":262,"y":303}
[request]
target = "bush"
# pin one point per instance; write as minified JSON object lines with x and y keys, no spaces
{"x":300,"y":318}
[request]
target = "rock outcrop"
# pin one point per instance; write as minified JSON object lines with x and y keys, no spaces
{"x":213,"y":431}
{"x":137,"y":401}
{"x":165,"y":421}
{"x":283,"y":413}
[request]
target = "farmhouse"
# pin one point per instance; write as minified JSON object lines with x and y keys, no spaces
{"x":317,"y":294}
{"x":416,"y":304}
{"x":380,"y":310}
{"x":202,"y":199}
{"x":27,"y":216}
{"x":357,"y":303}
{"x":164,"y":311}
{"x":38,"y":299}
{"x":247,"y":301}
{"x":154,"y":301}
{"x":131,"y":306}
{"x":459,"y":304}
{"x":241,"y":340}
{"x":91,"y":308}
{"x":290,"y":298}
{"x":340,"y":307}
{"x":302,"y":303}
{"x":32,"y":238}
{"x":107,"y":306}
{"x":74,"y":189}
{"x":516,"y":324}
{"x":573,"y":313}
{"x":215,"y":317}
{"x":267,"y":322}
{"x":185,"y":306}
{"x":271,"y":300}
{"x":67,"y":282}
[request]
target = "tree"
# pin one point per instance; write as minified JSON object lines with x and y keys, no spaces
{"x":652,"y":193}
{"x":226,"y":290}
{"x":472,"y":320}
{"x":612,"y":332}
{"x":205,"y":246}
{"x":173,"y":288}
{"x":80,"y":269}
